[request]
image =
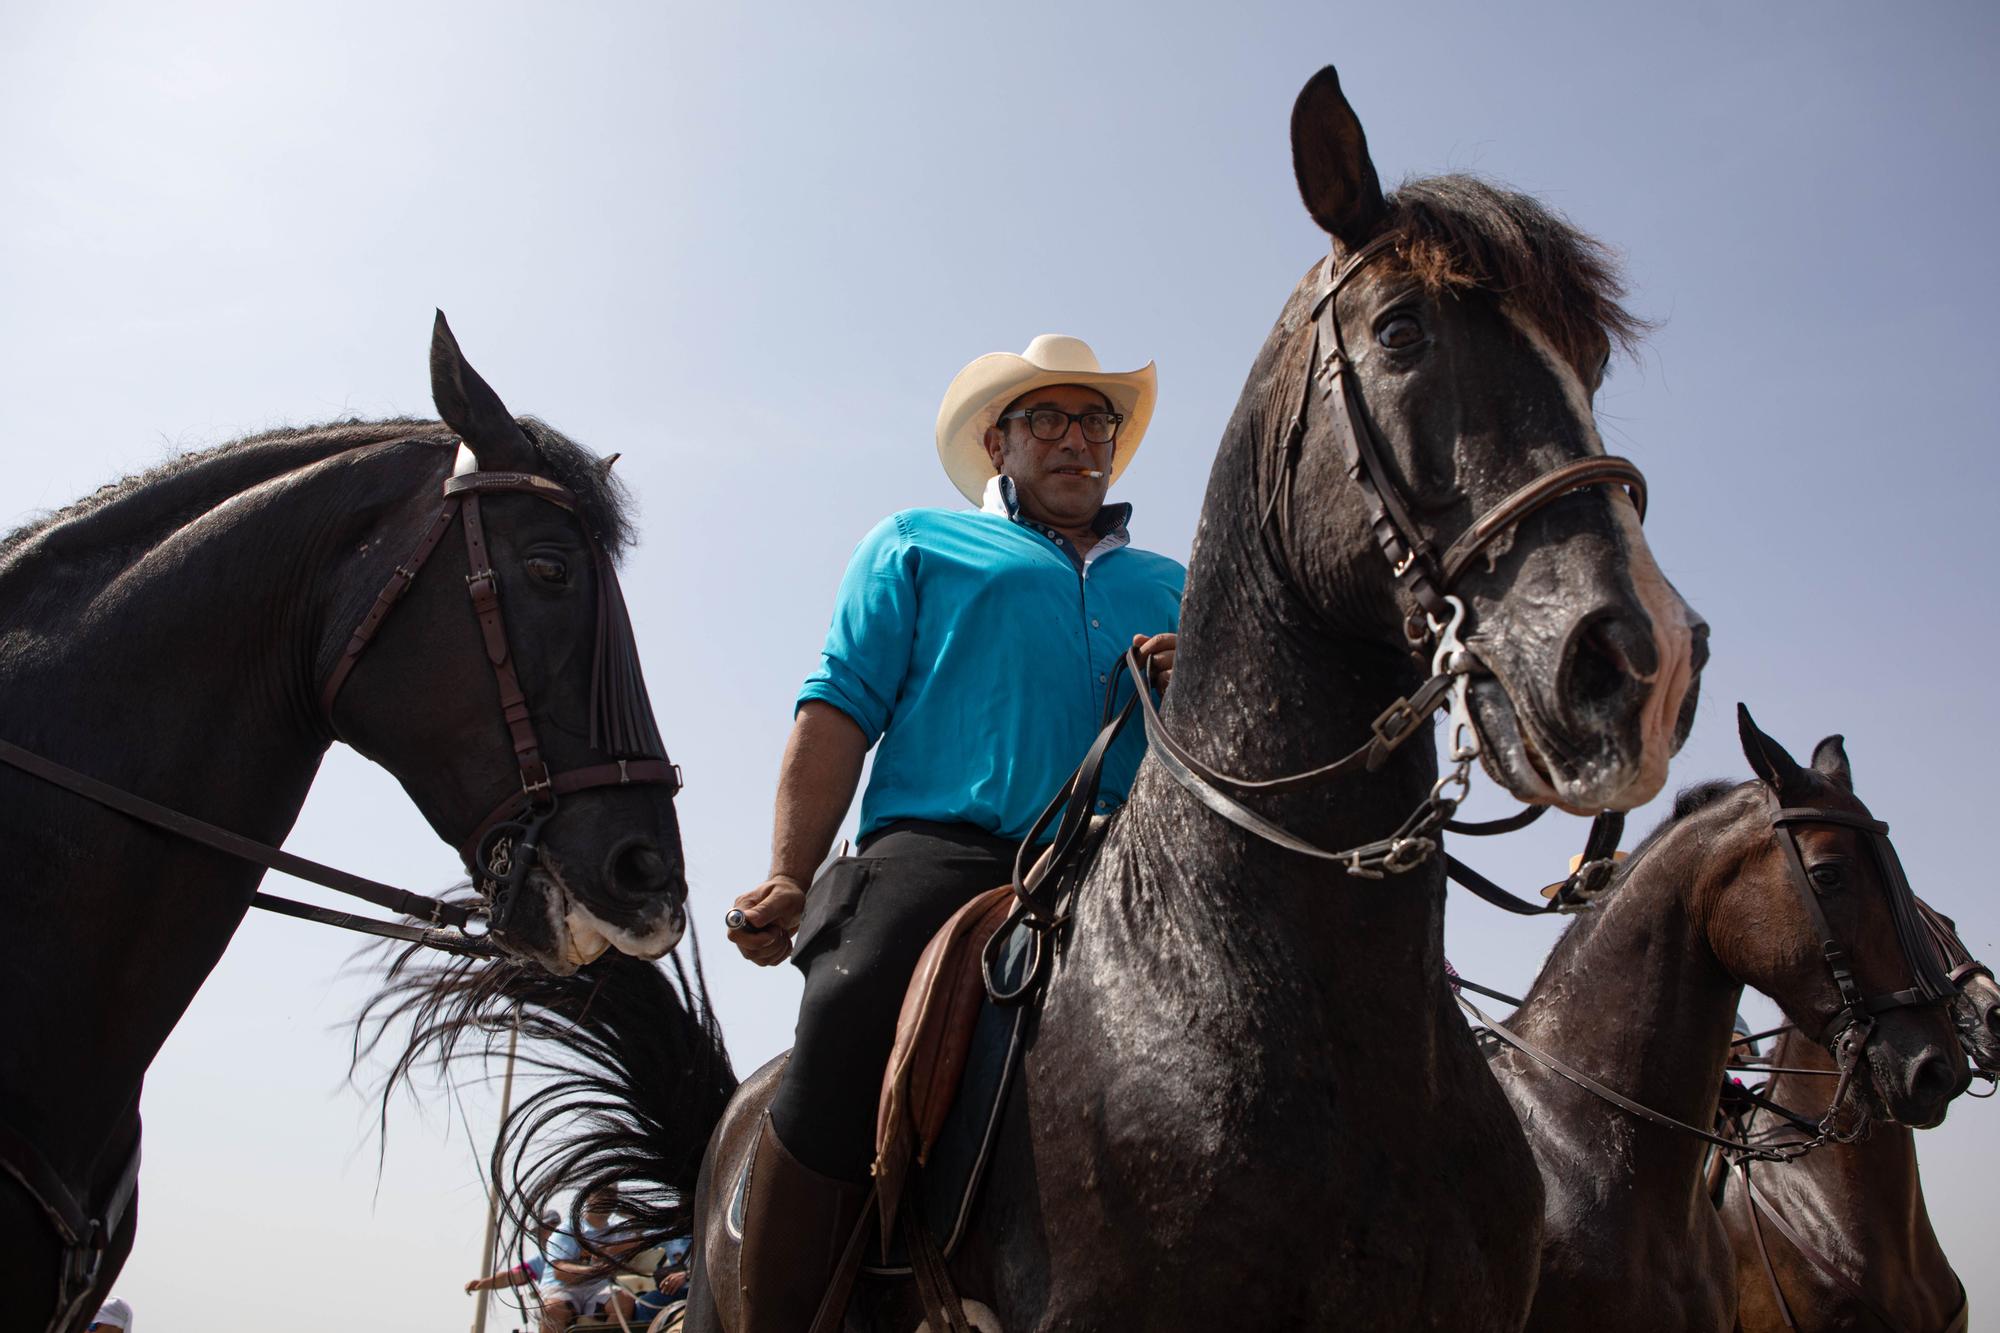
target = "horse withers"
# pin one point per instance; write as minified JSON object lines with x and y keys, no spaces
{"x":1640,"y":995}
{"x":190,"y":636}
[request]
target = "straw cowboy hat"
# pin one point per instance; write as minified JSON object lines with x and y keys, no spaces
{"x":980,"y":392}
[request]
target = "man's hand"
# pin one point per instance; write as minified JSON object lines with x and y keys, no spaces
{"x":674,"y":1283}
{"x":1157,"y":652}
{"x":771,"y":913}
{"x":474,"y":1284}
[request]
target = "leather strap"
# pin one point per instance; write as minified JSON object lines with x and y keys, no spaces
{"x":619,"y":773}
{"x":1413,"y":561}
{"x":1611,"y":1095}
{"x":1807,"y":1251}
{"x":1763,"y":1251}
{"x":1488,"y":828}
{"x":234,"y":844}
{"x":1581,"y":474}
{"x":483,"y":586}
{"x":445,"y":941}
{"x":84,"y":1237}
{"x":385,"y":601}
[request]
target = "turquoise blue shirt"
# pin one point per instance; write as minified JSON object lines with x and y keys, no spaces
{"x":974,"y":650}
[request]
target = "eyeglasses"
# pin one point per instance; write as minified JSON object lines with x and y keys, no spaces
{"x":1052,"y":423}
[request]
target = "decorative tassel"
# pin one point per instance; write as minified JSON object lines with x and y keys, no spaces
{"x":621,"y":714}
{"x":1920,"y":943}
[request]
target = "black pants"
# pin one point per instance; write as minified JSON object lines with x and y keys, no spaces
{"x":867,"y":920}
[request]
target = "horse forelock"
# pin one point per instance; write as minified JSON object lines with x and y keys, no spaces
{"x":1459,"y":233}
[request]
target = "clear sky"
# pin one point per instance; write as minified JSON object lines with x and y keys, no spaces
{"x":749,"y":246}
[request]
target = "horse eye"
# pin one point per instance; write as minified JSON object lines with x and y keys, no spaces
{"x":1826,"y":876}
{"x":1401,"y":332}
{"x":548,"y":569}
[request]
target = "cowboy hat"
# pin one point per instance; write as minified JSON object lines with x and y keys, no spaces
{"x":980,"y":392}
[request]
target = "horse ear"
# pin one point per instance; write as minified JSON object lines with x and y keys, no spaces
{"x":1830,"y":760}
{"x":468,"y":405}
{"x":1768,"y":760}
{"x":1330,"y":159}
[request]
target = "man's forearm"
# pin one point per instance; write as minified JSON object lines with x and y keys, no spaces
{"x":816,"y":782}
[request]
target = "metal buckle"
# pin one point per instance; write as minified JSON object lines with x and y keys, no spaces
{"x":1395,"y":723}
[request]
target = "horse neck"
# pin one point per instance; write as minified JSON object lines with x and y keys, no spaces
{"x":1636,"y":998}
{"x":1262,"y":687}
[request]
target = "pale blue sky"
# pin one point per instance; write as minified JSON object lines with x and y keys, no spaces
{"x":749,"y":249}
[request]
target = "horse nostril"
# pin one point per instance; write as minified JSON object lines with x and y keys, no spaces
{"x":1933,"y":1081}
{"x":1609,"y":654}
{"x":638,"y":870}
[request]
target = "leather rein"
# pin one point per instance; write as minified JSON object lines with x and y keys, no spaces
{"x":499,"y":852}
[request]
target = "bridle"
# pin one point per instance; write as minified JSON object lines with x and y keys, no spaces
{"x":1845,"y":1036}
{"x":502,"y":847}
{"x":499,"y":851}
{"x":1434,"y":617}
{"x":1425,"y":577}
{"x":1846,"y":1033}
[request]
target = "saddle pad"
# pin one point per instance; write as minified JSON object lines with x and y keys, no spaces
{"x":941,"y":1186}
{"x":932,"y":1034}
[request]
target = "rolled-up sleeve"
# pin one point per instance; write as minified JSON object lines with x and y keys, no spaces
{"x":867,"y":651}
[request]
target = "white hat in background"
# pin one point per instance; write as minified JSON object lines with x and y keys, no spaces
{"x":981,"y":391}
{"x":114,"y":1314}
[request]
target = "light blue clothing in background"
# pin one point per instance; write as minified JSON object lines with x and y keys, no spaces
{"x":977,"y":654}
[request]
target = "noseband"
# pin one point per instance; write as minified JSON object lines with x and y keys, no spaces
{"x":503,"y":847}
{"x":1425,"y":577}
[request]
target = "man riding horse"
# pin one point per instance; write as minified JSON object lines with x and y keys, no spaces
{"x":975,"y":647}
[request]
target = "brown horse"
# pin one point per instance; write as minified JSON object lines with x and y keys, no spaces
{"x":1869,"y":1256}
{"x":1641,"y":993}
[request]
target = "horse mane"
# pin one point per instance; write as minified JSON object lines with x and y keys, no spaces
{"x":1458,"y":232}
{"x":624,"y":1058}
{"x":1689,"y":801}
{"x":139,"y":509}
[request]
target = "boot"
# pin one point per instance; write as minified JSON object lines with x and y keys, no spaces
{"x":796,"y":1226}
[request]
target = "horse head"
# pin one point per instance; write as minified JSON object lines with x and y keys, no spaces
{"x":1797,"y":893}
{"x":540,"y":786}
{"x":1475,"y":329}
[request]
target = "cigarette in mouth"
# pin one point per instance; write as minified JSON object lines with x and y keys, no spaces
{"x":1090,"y":472}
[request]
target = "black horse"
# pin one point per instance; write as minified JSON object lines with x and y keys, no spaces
{"x":1640,"y":994}
{"x":178,"y":635}
{"x":1247,"y":1102}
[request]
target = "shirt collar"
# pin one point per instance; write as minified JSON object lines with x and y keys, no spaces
{"x":1002,"y":499}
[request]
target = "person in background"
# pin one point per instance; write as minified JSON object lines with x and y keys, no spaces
{"x":530,"y":1270}
{"x":113,"y":1314}
{"x":579,"y":1280}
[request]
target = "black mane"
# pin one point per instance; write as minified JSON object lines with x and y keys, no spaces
{"x":123,"y":513}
